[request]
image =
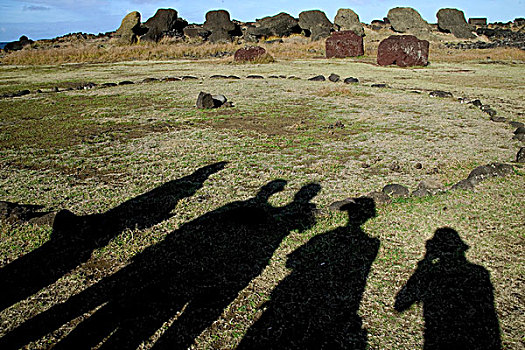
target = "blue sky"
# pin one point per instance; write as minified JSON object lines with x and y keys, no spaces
{"x":40,"y":19}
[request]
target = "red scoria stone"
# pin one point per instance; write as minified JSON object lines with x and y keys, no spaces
{"x":344,"y":44}
{"x":403,"y":50}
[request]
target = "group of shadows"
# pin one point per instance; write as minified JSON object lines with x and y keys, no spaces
{"x":196,"y":271}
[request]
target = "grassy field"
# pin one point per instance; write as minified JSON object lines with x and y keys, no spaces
{"x":89,"y":151}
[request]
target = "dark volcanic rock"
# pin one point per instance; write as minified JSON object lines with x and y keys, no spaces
{"x":406,"y":19}
{"x":249,"y":53}
{"x":465,"y":184}
{"x":280,"y":25}
{"x":109,"y":84}
{"x":515,"y":124}
{"x":18,"y":45}
{"x":318,"y":78}
{"x":219,"y":24}
{"x":334,"y":78}
{"x":165,"y":22}
{"x":351,"y":80}
{"x":491,"y":170}
{"x":498,"y":119}
{"x":126,"y":82}
{"x":346,"y":19}
{"x":195,"y":31}
{"x":396,"y":190}
{"x":477,"y":21}
{"x":219,"y":76}
{"x":315,"y":23}
{"x":519,"y":130}
{"x":520,"y":157}
{"x":453,"y":21}
{"x":403,"y":50}
{"x":439,"y":93}
{"x":379,"y":197}
{"x":254,"y":76}
{"x":344,"y":44}
{"x":519,"y":137}
{"x":381,"y":86}
{"x":476,"y":103}
{"x":205,"y":101}
{"x":129,"y":29}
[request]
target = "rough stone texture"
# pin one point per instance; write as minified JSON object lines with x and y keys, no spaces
{"x":477,"y":21}
{"x":249,"y":53}
{"x":346,"y":19}
{"x":519,"y":130}
{"x":379,"y":197}
{"x":465,"y":184}
{"x":406,"y":19}
{"x":318,"y":78}
{"x":279,"y":25}
{"x":196,"y":32}
{"x":165,"y":22}
{"x":396,"y":190}
{"x":520,"y":157}
{"x":129,"y":28}
{"x":19,"y":44}
{"x":453,"y":21}
{"x":351,"y":80}
{"x":403,"y":50}
{"x":491,"y":170}
{"x":316,"y":23}
{"x":334,"y":78}
{"x":205,"y":101}
{"x":219,"y":24}
{"x":344,"y":44}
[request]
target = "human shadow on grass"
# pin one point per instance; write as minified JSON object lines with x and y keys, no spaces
{"x":457,"y":297}
{"x":316,"y":306}
{"x":74,"y":238}
{"x":192,"y":276}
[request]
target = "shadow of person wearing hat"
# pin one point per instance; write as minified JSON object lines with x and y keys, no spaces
{"x":316,"y":306}
{"x":457,"y":297}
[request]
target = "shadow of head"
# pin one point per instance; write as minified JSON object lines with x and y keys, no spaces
{"x":446,"y":243}
{"x":203,"y":173}
{"x":307,"y":193}
{"x":359,"y":210}
{"x":270,"y":189}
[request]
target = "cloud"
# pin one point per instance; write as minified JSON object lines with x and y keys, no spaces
{"x":35,"y":8}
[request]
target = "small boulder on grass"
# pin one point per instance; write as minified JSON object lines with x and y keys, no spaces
{"x":520,"y":157}
{"x":396,"y":190}
{"x":209,"y":101}
{"x":254,"y":54}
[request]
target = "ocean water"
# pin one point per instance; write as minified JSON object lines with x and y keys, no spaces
{"x":2,"y":45}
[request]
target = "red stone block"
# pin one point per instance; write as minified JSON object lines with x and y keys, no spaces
{"x":249,"y":53}
{"x":403,"y":50}
{"x":344,"y":44}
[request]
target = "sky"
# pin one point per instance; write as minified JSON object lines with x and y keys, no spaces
{"x":41,"y":19}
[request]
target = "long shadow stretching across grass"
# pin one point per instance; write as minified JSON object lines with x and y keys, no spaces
{"x":74,"y":238}
{"x":457,"y":297}
{"x":195,"y":273}
{"x":316,"y":306}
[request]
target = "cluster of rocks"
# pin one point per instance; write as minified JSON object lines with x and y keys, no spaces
{"x":431,"y":187}
{"x":18,"y":44}
{"x":165,"y":23}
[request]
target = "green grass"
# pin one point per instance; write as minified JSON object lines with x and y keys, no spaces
{"x":89,"y":151}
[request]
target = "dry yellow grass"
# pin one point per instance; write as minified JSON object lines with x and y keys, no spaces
{"x":109,"y":51}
